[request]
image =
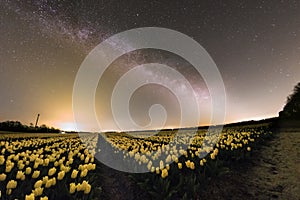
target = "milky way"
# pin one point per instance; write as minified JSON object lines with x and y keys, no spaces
{"x":256,"y":46}
{"x":55,"y":20}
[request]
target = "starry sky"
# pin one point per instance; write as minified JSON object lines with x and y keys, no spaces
{"x":255,"y":44}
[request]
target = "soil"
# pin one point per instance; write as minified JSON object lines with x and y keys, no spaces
{"x":272,"y":173}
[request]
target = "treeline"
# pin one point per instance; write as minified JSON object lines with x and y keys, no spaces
{"x":292,"y":108}
{"x":289,"y":117}
{"x":16,"y":126}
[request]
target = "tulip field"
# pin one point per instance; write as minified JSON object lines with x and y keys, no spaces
{"x":44,"y":166}
{"x":176,"y":166}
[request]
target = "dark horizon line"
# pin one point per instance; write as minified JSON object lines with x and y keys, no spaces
{"x":186,"y":128}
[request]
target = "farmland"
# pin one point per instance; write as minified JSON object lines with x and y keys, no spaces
{"x":44,"y":166}
{"x":65,"y":166}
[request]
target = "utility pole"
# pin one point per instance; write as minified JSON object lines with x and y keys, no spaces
{"x":37,"y":120}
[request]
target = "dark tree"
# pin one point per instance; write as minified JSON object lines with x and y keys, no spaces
{"x":292,"y":108}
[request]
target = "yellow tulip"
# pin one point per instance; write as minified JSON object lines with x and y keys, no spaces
{"x":12,"y":184}
{"x":74,"y":174}
{"x":36,"y":165}
{"x":92,"y":160}
{"x":192,"y":165}
{"x":201,"y":163}
{"x":152,"y":169}
{"x":2,"y":160}
{"x":8,"y":168}
{"x":45,"y":179}
{"x":157,"y":170}
{"x":27,"y":170}
{"x":60,"y":162}
{"x":38,"y":184}
{"x":91,"y":166}
{"x":83,"y":173}
{"x":29,"y":197}
{"x":55,"y":164}
{"x":161,"y":165}
{"x":36,"y":174}
{"x":167,"y":166}
{"x":82,"y":157}
{"x":179,"y":165}
{"x":2,"y":177}
{"x":53,"y":181}
{"x":87,"y":189}
{"x":67,"y":169}
{"x":46,"y":163}
{"x":21,"y":166}
{"x":48,"y":183}
{"x":71,"y":161}
{"x":212,"y":156}
{"x":38,"y":191}
{"x":164,"y":173}
{"x":20,"y":175}
{"x":72,"y":188}
{"x":51,"y":171}
{"x":60,"y":175}
{"x":188,"y":163}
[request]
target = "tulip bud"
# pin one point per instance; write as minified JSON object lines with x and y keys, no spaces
{"x":52,"y":171}
{"x":38,"y":191}
{"x":35,"y":174}
{"x":12,"y":184}
{"x":60,"y":175}
{"x":179,"y":165}
{"x":83,"y":173}
{"x":164,"y":173}
{"x":72,"y":188}
{"x":29,"y":197}
{"x":2,"y":177}
{"x":38,"y":184}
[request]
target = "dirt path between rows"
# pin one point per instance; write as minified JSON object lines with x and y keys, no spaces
{"x":276,"y":174}
{"x":272,"y":173}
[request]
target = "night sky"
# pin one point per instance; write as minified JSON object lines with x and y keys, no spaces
{"x":255,"y":44}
